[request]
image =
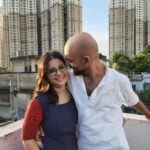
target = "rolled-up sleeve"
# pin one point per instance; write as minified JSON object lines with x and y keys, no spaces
{"x":32,"y":120}
{"x":129,"y":95}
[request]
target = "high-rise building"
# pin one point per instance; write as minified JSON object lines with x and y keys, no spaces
{"x":1,"y":38}
{"x":60,"y":19}
{"x":129,"y":27}
{"x":21,"y":34}
{"x":32,"y":27}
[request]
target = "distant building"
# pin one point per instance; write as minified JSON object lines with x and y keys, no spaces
{"x":60,"y":19}
{"x":140,"y":82}
{"x":1,"y":38}
{"x":32,"y":27}
{"x":129,"y":26}
{"x":21,"y":34}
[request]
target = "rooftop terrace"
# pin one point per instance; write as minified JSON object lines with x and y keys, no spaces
{"x":137,"y":129}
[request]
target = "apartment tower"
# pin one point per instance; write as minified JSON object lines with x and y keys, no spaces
{"x":1,"y":38}
{"x":60,"y":19}
{"x":129,"y":28}
{"x":33,"y":27}
{"x":21,"y":34}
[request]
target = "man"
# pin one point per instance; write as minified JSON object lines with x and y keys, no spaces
{"x":99,"y":92}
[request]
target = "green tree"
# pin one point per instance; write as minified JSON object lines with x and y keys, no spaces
{"x":122,"y":63}
{"x":145,"y":97}
{"x":142,"y":61}
{"x":116,"y":55}
{"x":102,"y":57}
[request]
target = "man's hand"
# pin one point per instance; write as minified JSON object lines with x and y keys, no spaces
{"x":39,"y":134}
{"x":148,"y":116}
{"x":140,"y":107}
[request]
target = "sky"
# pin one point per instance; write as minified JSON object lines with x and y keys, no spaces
{"x":95,"y":21}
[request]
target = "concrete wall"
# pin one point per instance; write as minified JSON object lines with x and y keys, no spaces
{"x":19,"y":106}
{"x":23,"y":83}
{"x":137,"y":130}
{"x":11,"y":142}
{"x":10,"y":136}
{"x":5,"y":111}
{"x":23,"y":100}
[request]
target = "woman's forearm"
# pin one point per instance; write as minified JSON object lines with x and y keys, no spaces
{"x":31,"y":144}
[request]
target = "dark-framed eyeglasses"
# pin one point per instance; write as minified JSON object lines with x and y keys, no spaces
{"x":53,"y":70}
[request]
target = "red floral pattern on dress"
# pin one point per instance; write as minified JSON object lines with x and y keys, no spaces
{"x":32,"y":120}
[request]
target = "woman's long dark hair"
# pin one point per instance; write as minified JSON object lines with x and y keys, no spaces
{"x":42,"y":84}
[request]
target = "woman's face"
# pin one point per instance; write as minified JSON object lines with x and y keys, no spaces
{"x":57,"y":73}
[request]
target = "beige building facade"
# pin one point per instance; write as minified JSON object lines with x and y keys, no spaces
{"x":21,"y":34}
{"x":32,"y":27}
{"x":60,"y":19}
{"x":129,"y":28}
{"x":1,"y":38}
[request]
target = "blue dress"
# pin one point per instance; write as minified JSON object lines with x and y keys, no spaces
{"x":59,"y":124}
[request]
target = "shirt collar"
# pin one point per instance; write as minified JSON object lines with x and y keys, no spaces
{"x":105,"y":77}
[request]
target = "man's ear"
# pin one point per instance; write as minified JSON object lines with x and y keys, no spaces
{"x":87,"y":59}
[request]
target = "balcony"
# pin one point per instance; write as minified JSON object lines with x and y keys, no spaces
{"x":137,"y":129}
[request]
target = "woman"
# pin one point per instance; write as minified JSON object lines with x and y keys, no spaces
{"x":52,"y":107}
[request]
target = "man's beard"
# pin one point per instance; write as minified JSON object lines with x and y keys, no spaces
{"x":78,"y":72}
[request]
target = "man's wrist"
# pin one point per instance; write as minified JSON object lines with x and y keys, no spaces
{"x":147,"y":115}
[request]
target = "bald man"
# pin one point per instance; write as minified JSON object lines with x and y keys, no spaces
{"x":99,"y":93}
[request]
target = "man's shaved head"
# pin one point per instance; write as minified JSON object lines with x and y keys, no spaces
{"x":81,"y":52}
{"x":83,"y":44}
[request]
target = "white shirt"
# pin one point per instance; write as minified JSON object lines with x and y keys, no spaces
{"x":100,"y":116}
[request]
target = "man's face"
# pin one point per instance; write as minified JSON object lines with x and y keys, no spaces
{"x":75,"y":62}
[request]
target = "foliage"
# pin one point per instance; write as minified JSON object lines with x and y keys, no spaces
{"x":138,"y":64}
{"x":142,"y":60}
{"x":102,"y":57}
{"x":122,"y":63}
{"x":116,"y":56}
{"x":5,"y":70}
{"x":145,"y":97}
{"x":146,"y":86}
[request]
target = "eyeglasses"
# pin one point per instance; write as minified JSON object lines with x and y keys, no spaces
{"x":53,"y":71}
